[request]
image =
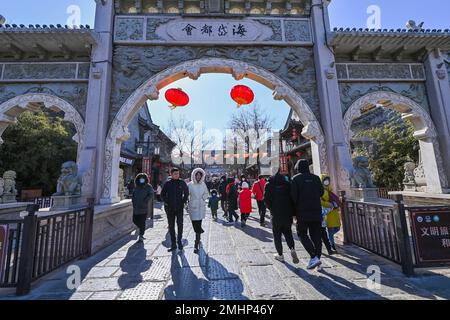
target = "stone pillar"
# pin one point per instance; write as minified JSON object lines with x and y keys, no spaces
{"x":438,"y":90}
{"x":339,"y":160}
{"x":91,"y":162}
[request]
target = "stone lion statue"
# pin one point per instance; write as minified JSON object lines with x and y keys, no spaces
{"x":409,"y":173}
{"x":2,"y":186}
{"x":9,"y":183}
{"x":69,"y":183}
{"x":361,"y":176}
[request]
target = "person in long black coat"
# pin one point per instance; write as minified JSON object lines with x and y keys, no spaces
{"x":232,"y":200}
{"x":142,"y":198}
{"x":277,"y":197}
{"x":175,"y":194}
{"x":306,"y":192}
{"x":223,"y":194}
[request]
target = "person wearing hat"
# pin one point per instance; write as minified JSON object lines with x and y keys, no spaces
{"x":277,"y":196}
{"x":141,"y":199}
{"x":245,"y":203}
{"x":306,"y":193}
{"x":198,"y":194}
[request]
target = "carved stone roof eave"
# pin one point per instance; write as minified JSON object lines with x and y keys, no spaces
{"x":345,"y":41}
{"x":50,"y":40}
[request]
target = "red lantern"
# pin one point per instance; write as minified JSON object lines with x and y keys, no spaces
{"x":177,"y":98}
{"x":242,"y":95}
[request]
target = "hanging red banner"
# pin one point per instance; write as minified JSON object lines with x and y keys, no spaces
{"x":147,"y":166}
{"x":284,"y":169}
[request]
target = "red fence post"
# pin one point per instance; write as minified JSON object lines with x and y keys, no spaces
{"x":27,"y":251}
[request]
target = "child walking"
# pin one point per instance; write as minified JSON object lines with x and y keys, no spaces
{"x":245,"y":203}
{"x":213,"y":203}
{"x":332,"y":220}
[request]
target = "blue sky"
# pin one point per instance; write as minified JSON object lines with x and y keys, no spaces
{"x":210,"y":100}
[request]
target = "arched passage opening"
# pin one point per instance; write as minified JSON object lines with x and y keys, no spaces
{"x":10,"y":112}
{"x":424,"y":131}
{"x":149,"y":90}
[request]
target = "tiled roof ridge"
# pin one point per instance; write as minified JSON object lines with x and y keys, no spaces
{"x":44,"y":27}
{"x":388,"y":31}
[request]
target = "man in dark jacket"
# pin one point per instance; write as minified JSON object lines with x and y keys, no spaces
{"x":277,"y":197}
{"x":223,"y":194}
{"x":175,"y":194}
{"x":142,"y":198}
{"x":306,"y":191}
{"x":232,"y":200}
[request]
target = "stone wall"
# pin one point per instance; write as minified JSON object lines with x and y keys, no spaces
{"x":447,"y":63}
{"x":111,"y":222}
{"x":132,"y":65}
{"x":74,"y":93}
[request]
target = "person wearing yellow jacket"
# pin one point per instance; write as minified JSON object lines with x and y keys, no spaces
{"x":331,"y":204}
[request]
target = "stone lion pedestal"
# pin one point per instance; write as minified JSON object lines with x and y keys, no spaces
{"x":365,"y":194}
{"x":66,"y":202}
{"x":8,"y":198}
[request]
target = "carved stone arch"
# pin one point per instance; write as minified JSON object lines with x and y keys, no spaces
{"x":193,"y":69}
{"x":425,"y":131}
{"x":10,"y":109}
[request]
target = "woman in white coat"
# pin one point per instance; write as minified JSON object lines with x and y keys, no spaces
{"x":198,"y":194}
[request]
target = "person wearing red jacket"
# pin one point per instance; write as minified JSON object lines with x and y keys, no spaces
{"x":245,"y":203}
{"x":258,"y":191}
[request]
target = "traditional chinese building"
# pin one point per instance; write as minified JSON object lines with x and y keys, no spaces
{"x":293,"y":145}
{"x":101,"y":77}
{"x":147,"y":150}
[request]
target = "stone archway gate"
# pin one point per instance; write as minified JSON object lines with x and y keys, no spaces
{"x":152,"y":50}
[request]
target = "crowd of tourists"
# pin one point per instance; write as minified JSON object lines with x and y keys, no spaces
{"x":305,"y":201}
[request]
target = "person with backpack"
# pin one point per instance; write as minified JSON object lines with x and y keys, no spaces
{"x":213,"y":204}
{"x":306,"y":193}
{"x":277,"y":197}
{"x":258,"y":191}
{"x":141,"y":199}
{"x":245,"y":203}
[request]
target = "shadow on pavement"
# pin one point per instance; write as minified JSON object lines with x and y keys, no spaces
{"x":133,"y":265}
{"x":416,"y":285}
{"x":188,"y":284}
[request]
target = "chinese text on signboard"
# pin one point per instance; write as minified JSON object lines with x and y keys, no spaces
{"x":431,"y":232}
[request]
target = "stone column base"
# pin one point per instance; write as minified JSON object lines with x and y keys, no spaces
{"x":409,"y":187}
{"x":66,"y":202}
{"x":365,"y":194}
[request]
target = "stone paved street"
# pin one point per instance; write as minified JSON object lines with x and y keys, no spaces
{"x":233,"y":264}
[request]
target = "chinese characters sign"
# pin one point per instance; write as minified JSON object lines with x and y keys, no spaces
{"x":216,"y":30}
{"x":3,"y":247}
{"x":431,"y":233}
